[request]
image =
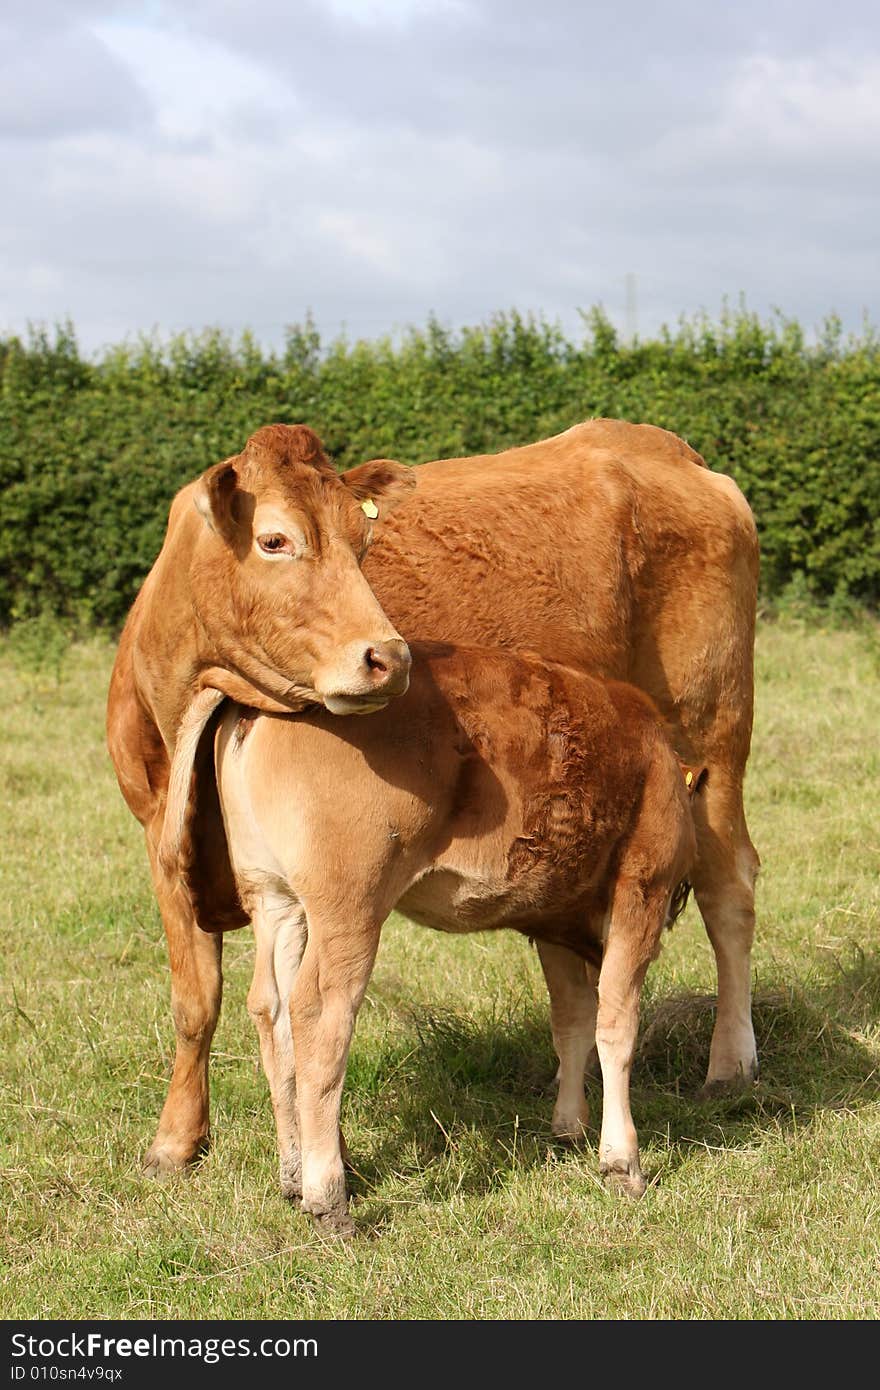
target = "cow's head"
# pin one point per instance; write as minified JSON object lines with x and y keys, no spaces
{"x":275,"y":575}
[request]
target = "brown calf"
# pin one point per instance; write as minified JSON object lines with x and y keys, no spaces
{"x":501,"y":791}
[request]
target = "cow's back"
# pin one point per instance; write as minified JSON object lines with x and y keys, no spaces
{"x":610,"y":547}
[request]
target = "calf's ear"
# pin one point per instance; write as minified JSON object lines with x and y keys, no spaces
{"x":216,"y":499}
{"x":381,"y":482}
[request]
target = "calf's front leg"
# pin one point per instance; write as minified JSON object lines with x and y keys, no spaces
{"x":326,"y":996}
{"x":280,"y":937}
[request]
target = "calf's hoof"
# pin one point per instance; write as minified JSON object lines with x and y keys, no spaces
{"x":626,"y":1180}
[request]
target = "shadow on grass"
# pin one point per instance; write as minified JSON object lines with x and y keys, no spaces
{"x":461,"y":1104}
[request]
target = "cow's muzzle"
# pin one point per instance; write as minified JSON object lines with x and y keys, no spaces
{"x":366,"y":676}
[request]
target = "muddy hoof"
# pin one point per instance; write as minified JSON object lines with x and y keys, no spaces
{"x":624,"y":1183}
{"x":336,"y":1225}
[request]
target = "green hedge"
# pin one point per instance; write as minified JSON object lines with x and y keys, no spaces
{"x":91,"y":451}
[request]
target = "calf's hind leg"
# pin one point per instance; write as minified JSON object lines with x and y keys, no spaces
{"x":280,"y":935}
{"x":573,"y":1022}
{"x":630,"y":947}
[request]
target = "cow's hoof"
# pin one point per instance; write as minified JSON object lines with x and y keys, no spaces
{"x":336,"y":1225}
{"x":624,"y":1182}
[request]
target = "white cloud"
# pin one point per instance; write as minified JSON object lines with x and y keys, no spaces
{"x":786,"y":116}
{"x":198,"y":87}
{"x":63,"y":80}
{"x":803,"y":109}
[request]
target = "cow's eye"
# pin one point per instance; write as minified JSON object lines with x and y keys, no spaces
{"x":274,"y":543}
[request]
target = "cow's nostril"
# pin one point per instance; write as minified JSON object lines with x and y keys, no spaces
{"x":375,"y":660}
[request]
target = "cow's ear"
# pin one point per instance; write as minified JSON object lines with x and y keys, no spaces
{"x":215,"y":499}
{"x":695,"y":776}
{"x":380,"y":485}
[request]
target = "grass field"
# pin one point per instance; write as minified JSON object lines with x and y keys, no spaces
{"x":766,"y":1206}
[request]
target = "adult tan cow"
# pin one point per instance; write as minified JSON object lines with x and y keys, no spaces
{"x":610,"y":547}
{"x":501,"y":791}
{"x":256,"y":594}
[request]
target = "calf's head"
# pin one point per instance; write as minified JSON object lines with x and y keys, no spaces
{"x":275,"y":576}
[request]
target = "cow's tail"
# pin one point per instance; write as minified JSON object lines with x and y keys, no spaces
{"x":695,"y":777}
{"x":192,"y":726}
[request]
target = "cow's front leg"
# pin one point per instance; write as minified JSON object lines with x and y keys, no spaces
{"x":573,"y":1021}
{"x":280,"y":936}
{"x":196,"y":989}
{"x":326,"y":996}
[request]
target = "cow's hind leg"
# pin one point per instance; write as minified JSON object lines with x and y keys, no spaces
{"x":280,"y":935}
{"x":724,"y":887}
{"x":196,"y":990}
{"x":573,"y":1005}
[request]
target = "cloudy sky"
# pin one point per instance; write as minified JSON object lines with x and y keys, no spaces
{"x":240,"y":162}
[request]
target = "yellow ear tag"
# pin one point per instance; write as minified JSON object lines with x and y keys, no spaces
{"x":370,"y":509}
{"x":688,"y":778}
